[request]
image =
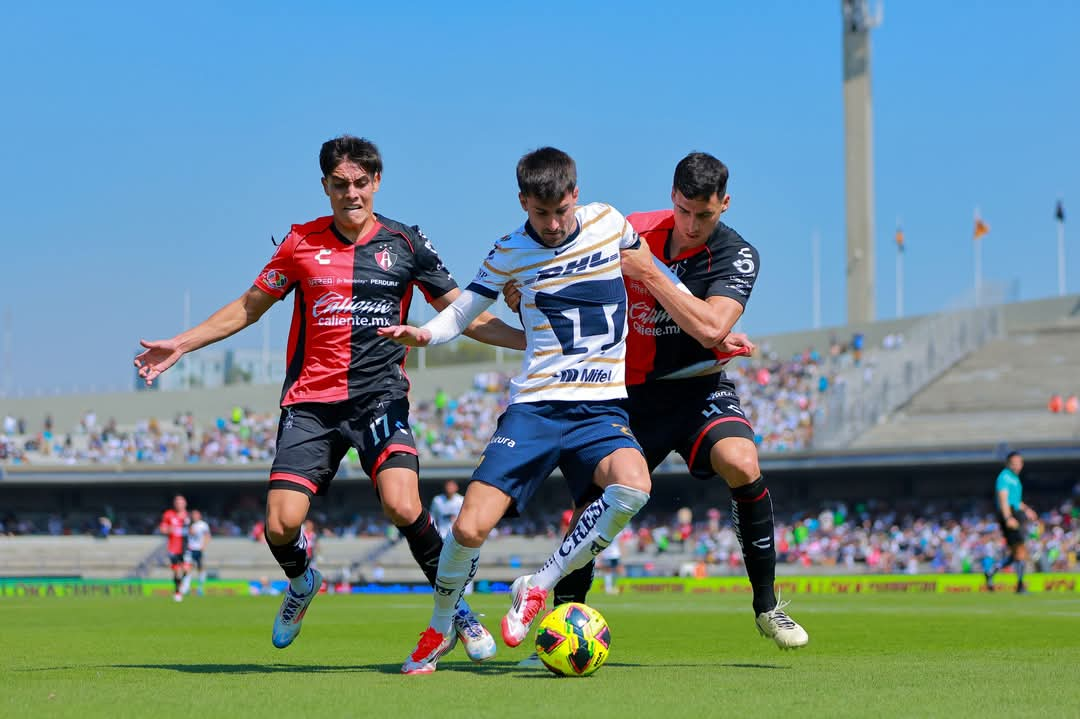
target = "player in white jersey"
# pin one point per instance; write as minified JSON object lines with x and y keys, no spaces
{"x":446,"y":507}
{"x":564,"y":406}
{"x":198,"y":538}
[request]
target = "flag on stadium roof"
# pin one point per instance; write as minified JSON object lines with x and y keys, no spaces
{"x":981,"y":228}
{"x":1059,"y":213}
{"x":899,"y":238}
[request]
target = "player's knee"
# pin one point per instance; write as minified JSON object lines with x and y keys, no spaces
{"x":402,"y":511}
{"x":737,"y":465}
{"x":280,"y":531}
{"x":626,"y":467}
{"x":636,"y":478}
{"x":470,"y":534}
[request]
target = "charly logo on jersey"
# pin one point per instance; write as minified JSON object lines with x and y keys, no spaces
{"x":335,"y":309}
{"x":384,"y":257}
{"x":594,"y":260}
{"x":275,"y":279}
{"x":323,"y":257}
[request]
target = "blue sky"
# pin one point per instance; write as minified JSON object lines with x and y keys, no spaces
{"x":146,"y":151}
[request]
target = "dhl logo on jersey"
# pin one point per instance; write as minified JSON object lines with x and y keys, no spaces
{"x":593,"y":261}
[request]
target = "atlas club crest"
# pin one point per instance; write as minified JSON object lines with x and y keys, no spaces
{"x":385,"y":258}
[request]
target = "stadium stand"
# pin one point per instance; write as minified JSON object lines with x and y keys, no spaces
{"x":874,"y":536}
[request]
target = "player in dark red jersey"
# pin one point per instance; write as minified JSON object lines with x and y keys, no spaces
{"x":174,"y":525}
{"x":677,"y":346}
{"x":350,"y":273}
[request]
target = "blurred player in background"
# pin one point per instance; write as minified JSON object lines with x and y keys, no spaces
{"x":611,"y":564}
{"x":446,"y":507}
{"x":345,"y":387}
{"x":198,"y":539}
{"x":564,"y":407}
{"x":677,"y":347}
{"x":1011,"y":512}
{"x":174,"y":525}
{"x":311,"y":540}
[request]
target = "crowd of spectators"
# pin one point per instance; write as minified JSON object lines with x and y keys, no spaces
{"x":877,"y":537}
{"x":781,"y":397}
{"x":866,"y":537}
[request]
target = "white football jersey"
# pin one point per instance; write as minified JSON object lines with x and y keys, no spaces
{"x":197,"y":534}
{"x":573,"y":307}
{"x":445,"y":509}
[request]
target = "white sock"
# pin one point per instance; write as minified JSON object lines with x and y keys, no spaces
{"x":303,"y":584}
{"x":457,"y":565}
{"x":598,"y":525}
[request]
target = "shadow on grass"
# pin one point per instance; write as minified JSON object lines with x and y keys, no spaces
{"x":263,"y":668}
{"x":487,"y":668}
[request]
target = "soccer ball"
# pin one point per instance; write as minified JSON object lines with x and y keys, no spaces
{"x":573,"y":640}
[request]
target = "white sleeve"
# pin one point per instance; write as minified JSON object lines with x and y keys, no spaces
{"x":628,"y":238}
{"x":671,"y":275}
{"x":453,"y":320}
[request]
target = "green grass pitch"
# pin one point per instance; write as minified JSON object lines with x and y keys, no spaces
{"x":671,"y":656}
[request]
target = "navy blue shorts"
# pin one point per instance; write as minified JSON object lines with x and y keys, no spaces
{"x":533,"y":438}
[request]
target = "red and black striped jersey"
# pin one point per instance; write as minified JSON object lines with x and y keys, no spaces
{"x":343,"y":293}
{"x":725,"y":266}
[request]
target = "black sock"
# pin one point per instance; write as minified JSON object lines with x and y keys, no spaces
{"x":291,"y":557}
{"x":752,"y":516}
{"x":1019,"y":566}
{"x":177,"y":579}
{"x":575,"y":586}
{"x":425,"y":544}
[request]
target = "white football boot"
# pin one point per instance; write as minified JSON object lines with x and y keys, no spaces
{"x":292,"y":610}
{"x":781,"y":628}
{"x":431,"y":647}
{"x":478,"y":642}
{"x":525,"y":604}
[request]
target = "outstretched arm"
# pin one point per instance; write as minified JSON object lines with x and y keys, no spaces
{"x":707,"y":321}
{"x":446,"y":325}
{"x":160,"y":355}
{"x":486,"y":328}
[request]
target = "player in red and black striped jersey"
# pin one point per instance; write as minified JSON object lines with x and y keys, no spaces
{"x":174,"y":525}
{"x":349,"y":273}
{"x":677,"y":345}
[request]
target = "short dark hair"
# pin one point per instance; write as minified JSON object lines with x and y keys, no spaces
{"x":546,"y":174}
{"x":1010,"y":455}
{"x":699,"y":175}
{"x":346,"y":147}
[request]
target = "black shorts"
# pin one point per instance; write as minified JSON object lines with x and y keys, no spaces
{"x":313,"y":438}
{"x":1013,"y":537}
{"x":194,"y":557}
{"x":687,"y":416}
{"x":176,"y":560}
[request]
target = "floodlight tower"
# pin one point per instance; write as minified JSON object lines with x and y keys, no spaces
{"x":858,"y":21}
